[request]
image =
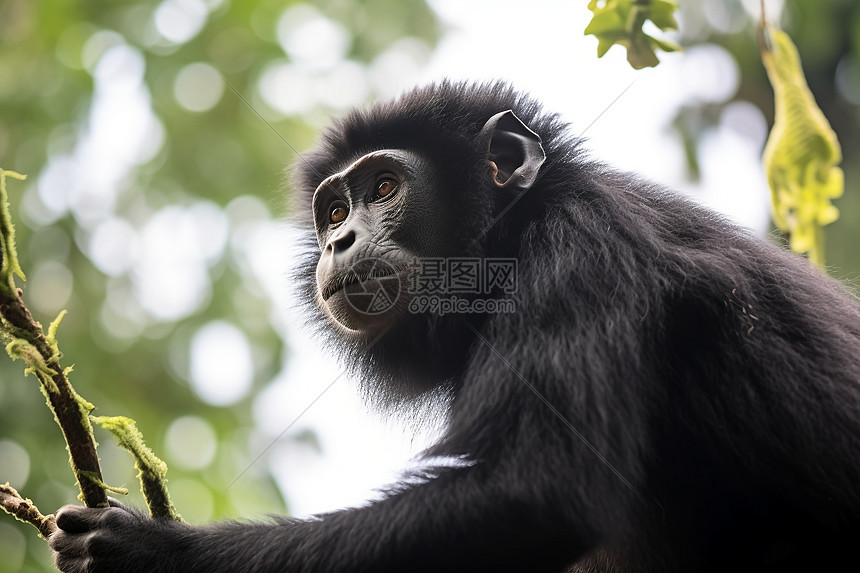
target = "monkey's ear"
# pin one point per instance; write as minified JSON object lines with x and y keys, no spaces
{"x":513,"y":150}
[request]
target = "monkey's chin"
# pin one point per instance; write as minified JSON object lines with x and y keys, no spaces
{"x":356,"y":316}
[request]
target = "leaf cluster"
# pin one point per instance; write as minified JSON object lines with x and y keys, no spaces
{"x":621,"y":22}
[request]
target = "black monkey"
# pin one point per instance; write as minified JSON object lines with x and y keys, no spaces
{"x":668,"y":394}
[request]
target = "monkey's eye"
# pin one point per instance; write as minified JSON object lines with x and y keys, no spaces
{"x":385,"y":187}
{"x":337,"y":212}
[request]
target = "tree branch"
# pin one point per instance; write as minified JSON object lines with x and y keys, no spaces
{"x":28,"y":342}
{"x":24,"y":510}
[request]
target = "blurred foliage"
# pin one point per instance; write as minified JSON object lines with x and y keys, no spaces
{"x":827,"y":35}
{"x":124,"y":117}
{"x":124,"y":209}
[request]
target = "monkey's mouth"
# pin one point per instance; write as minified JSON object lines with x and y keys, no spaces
{"x":355,"y":282}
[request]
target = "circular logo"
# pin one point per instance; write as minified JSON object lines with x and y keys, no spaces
{"x":372,"y":286}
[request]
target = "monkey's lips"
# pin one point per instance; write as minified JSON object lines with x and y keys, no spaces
{"x":354,"y":283}
{"x":365,"y":296}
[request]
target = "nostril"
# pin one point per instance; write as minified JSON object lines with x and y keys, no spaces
{"x":343,"y":243}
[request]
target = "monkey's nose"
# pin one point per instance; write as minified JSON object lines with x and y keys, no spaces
{"x":341,"y":243}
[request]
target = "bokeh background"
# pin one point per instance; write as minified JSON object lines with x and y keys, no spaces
{"x":156,"y":133}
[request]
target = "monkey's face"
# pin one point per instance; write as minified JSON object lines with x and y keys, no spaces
{"x":373,"y":220}
{"x":385,"y":217}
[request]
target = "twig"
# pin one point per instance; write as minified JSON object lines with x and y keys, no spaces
{"x":24,"y":510}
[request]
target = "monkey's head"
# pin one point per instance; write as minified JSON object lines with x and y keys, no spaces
{"x":393,"y":195}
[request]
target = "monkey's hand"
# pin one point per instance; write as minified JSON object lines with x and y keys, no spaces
{"x":116,"y":538}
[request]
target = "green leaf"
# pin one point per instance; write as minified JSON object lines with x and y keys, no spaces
{"x":663,"y":14}
{"x":620,"y":22}
{"x":802,"y":153}
{"x":604,"y":23}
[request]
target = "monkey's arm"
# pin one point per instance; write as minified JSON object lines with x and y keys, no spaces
{"x":455,"y":521}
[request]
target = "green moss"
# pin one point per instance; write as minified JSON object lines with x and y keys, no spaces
{"x":152,"y":471}
{"x":9,"y":265}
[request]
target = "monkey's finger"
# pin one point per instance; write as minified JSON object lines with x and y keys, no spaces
{"x":117,"y":503}
{"x":78,"y":519}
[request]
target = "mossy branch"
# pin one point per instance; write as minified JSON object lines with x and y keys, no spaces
{"x":9,"y":264}
{"x":27,"y":342}
{"x":152,"y":471}
{"x":41,"y":353}
{"x":23,"y":509}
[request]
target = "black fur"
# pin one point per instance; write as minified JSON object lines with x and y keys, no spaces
{"x":671,"y":394}
{"x":439,"y":122}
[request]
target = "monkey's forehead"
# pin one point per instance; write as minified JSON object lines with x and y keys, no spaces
{"x":374,"y":157}
{"x":402,"y":158}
